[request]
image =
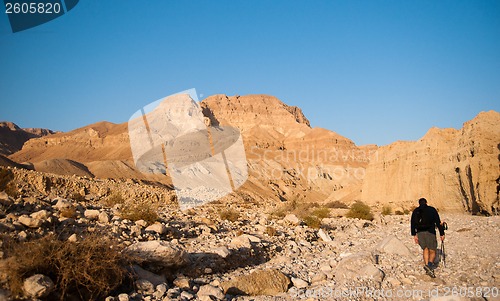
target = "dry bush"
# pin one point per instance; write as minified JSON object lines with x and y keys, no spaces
{"x":399,"y":212}
{"x":336,"y":205}
{"x":312,"y":221}
{"x":229,"y":214}
{"x":360,"y":210}
{"x":138,"y":211}
{"x":88,"y":269}
{"x":300,"y":208}
{"x":69,"y":212}
{"x":271,"y":231}
{"x":386,"y":210}
{"x":321,"y":212}
{"x":113,"y":199}
{"x":77,"y":197}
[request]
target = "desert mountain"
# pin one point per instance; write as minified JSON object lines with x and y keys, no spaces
{"x":287,"y":159}
{"x":12,"y":137}
{"x":456,"y":169}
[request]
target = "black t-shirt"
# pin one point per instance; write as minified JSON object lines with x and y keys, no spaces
{"x":429,"y":220}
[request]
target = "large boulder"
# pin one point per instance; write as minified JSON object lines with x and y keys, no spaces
{"x":392,"y":245}
{"x":358,"y":265}
{"x":161,"y":253}
{"x":265,"y":282}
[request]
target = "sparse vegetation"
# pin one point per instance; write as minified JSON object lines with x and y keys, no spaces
{"x":229,"y":214}
{"x":399,"y":212}
{"x":88,"y":269}
{"x":137,"y":211}
{"x":78,"y":197}
{"x":312,"y":221}
{"x":360,"y":210}
{"x":68,"y":212}
{"x":336,"y":205}
{"x":386,"y":210}
{"x":271,"y":231}
{"x":113,"y":199}
{"x":321,"y":212}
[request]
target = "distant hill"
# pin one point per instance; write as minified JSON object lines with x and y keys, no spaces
{"x":12,"y":137}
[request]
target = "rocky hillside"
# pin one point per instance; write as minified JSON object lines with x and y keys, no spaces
{"x":12,"y":137}
{"x":454,"y":169}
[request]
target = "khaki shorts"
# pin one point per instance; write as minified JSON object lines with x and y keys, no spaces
{"x":427,"y":240}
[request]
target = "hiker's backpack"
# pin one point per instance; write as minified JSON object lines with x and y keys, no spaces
{"x":422,"y":221}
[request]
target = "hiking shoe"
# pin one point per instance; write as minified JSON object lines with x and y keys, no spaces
{"x":429,"y":271}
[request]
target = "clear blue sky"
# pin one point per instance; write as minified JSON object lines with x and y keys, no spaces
{"x":373,"y":71}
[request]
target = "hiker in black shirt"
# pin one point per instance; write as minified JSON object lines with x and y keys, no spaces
{"x":424,"y":221}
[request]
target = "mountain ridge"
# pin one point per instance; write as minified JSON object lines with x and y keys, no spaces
{"x":288,"y":159}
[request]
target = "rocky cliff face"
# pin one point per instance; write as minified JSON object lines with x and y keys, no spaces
{"x":12,"y":137}
{"x":286,"y":156}
{"x":453,"y":169}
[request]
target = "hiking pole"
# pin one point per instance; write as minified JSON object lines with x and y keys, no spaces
{"x":443,"y":254}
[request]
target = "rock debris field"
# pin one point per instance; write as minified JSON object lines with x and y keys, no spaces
{"x":233,"y":249}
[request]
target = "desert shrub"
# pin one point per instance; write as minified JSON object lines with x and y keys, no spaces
{"x":399,"y":212}
{"x":78,"y":197}
{"x":386,"y":210}
{"x":300,"y":208}
{"x":321,"y":212}
{"x":137,"y":211}
{"x":406,"y":211}
{"x":88,"y":269}
{"x":336,"y":205}
{"x":271,"y":231}
{"x":360,"y":210}
{"x":113,"y":199}
{"x":229,"y":214}
{"x":68,"y":212}
{"x":312,"y":221}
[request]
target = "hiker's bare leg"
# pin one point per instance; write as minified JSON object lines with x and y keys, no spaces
{"x":426,"y":256}
{"x":432,"y":255}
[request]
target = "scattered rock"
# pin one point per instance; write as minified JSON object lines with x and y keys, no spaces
{"x":392,"y":245}
{"x":162,"y":253}
{"x":38,"y":286}
{"x":292,"y":219}
{"x":30,"y":222}
{"x":299,"y":283}
{"x":222,"y":252}
{"x":241,"y":241}
{"x":41,"y":215}
{"x":264,"y":282}
{"x":103,"y":217}
{"x":358,"y":265}
{"x":91,"y":214}
{"x":324,"y":236}
{"x":153,"y":278}
{"x":210,"y":291}
{"x":182,"y":282}
{"x":157,"y":228}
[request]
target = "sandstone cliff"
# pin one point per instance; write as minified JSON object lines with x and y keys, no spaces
{"x":453,"y":169}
